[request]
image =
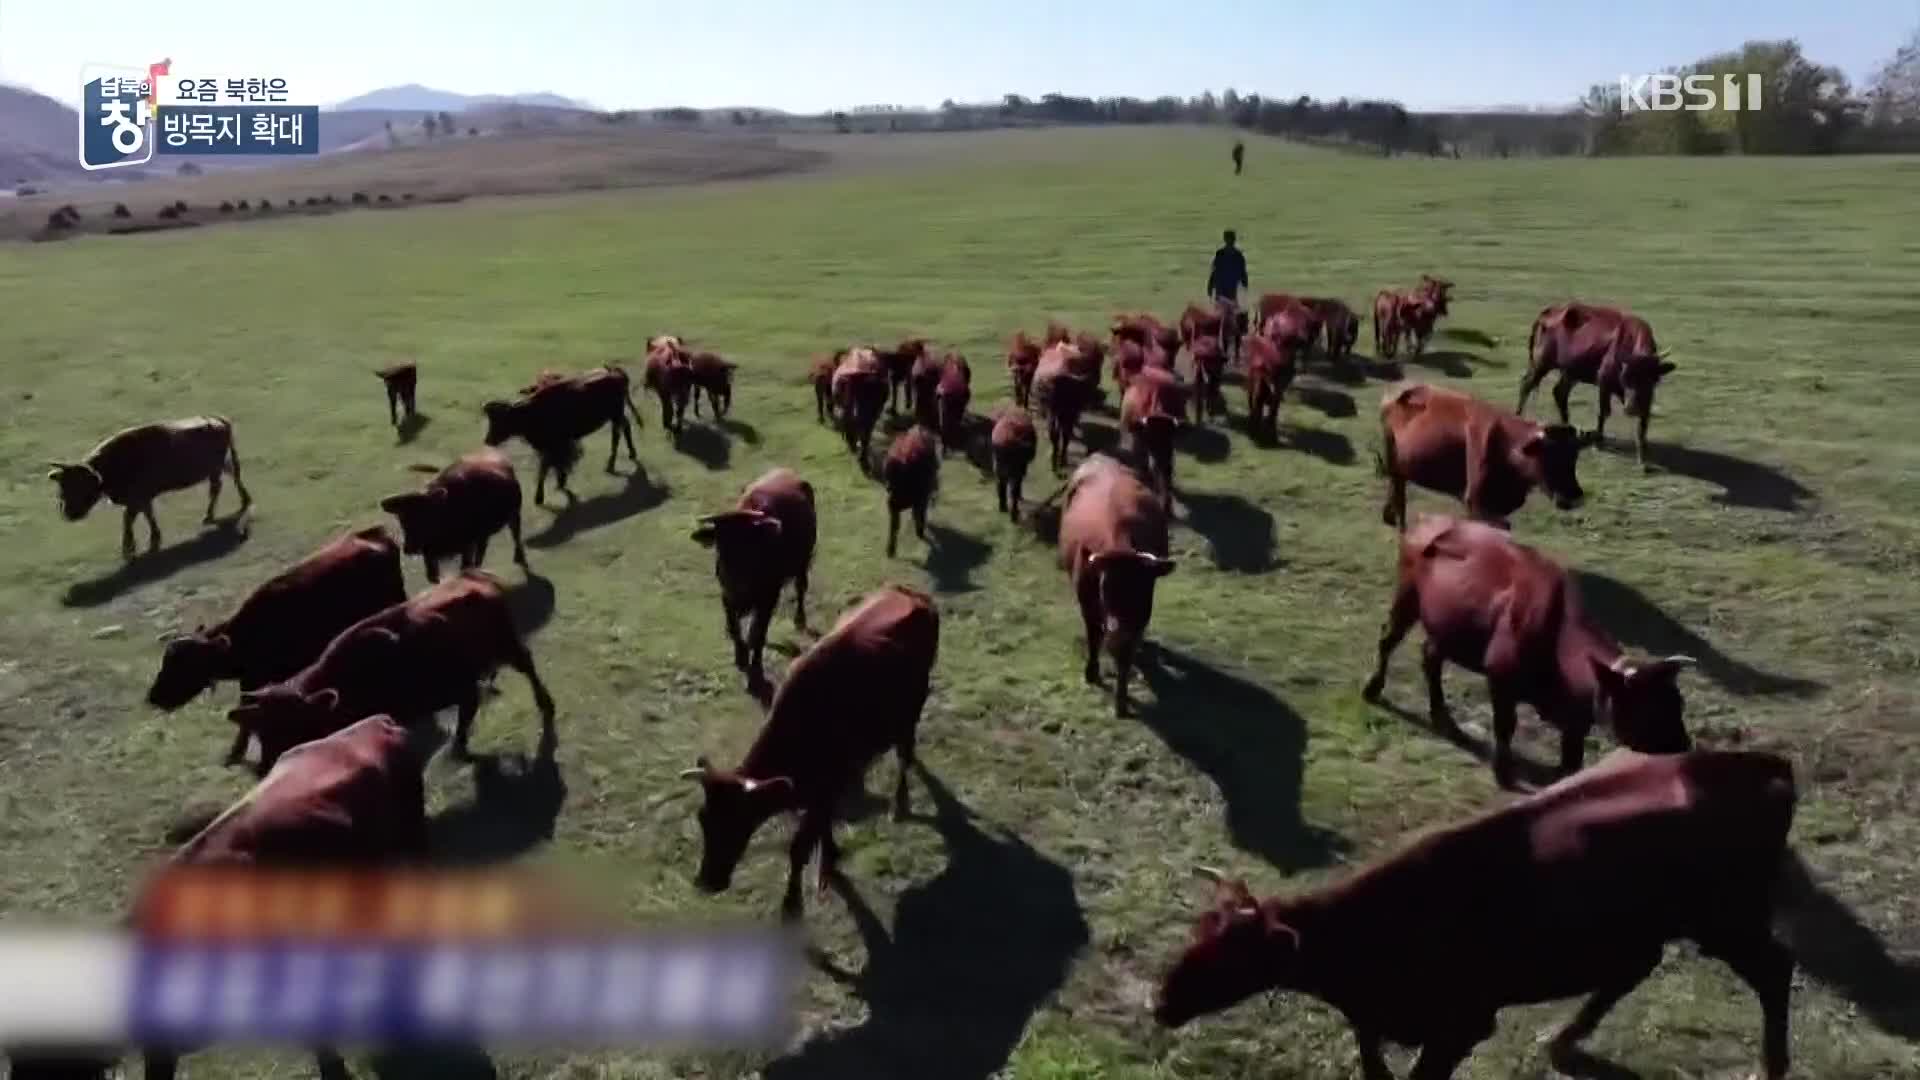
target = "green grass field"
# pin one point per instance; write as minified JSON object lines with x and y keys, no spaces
{"x":1017,"y":927}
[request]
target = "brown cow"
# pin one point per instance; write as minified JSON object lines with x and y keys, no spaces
{"x":1152,"y":412}
{"x":1301,"y":311}
{"x":857,"y":693}
{"x":1574,"y":890}
{"x":899,"y":363}
{"x":1415,"y":317}
{"x":133,"y":466}
{"x":1500,"y":608}
{"x":1023,"y":355}
{"x":444,"y":640}
{"x":401,"y":381}
{"x":1084,"y":360}
{"x":1014,"y":442}
{"x":1270,"y":370}
{"x":285,"y":623}
{"x":459,"y":511}
{"x":1438,"y":289}
{"x":922,"y":384}
{"x":1387,"y":328}
{"x":670,"y":377}
{"x":1129,"y":359}
{"x":911,"y":473}
{"x":710,"y":374}
{"x":859,"y":393}
{"x":1113,"y":546}
{"x":1055,"y":334}
{"x":1337,"y":321}
{"x":1607,"y":347}
{"x":1293,"y":327}
{"x":820,"y":377}
{"x":1209,"y":378}
{"x":765,"y":541}
{"x":1144,"y":330}
{"x":951,"y":395}
{"x":1063,"y":392}
{"x":1448,"y":442}
{"x":560,"y":410}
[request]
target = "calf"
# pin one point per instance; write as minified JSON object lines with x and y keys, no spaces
{"x":1457,"y":445}
{"x":1113,"y":546}
{"x":899,"y":363}
{"x":444,"y":640}
{"x":1387,"y":328}
{"x":820,"y":377}
{"x":1498,"y":607}
{"x":951,"y":395}
{"x":459,"y":511}
{"x":401,"y":381}
{"x":1574,"y":890}
{"x":1023,"y":356}
{"x":1606,"y":347}
{"x":1014,"y":442}
{"x":134,"y":466}
{"x":859,"y":393}
{"x":284,"y":623}
{"x":911,"y":473}
{"x":670,"y":377}
{"x":1063,"y":393}
{"x":557,"y":412}
{"x":1337,"y":321}
{"x":1152,"y":411}
{"x":714,"y":376}
{"x":765,"y":541}
{"x":857,"y":693}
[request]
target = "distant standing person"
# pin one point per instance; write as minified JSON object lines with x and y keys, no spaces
{"x":1229,"y":274}
{"x":1239,"y":155}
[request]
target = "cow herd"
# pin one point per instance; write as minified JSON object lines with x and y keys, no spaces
{"x":1572,"y":890}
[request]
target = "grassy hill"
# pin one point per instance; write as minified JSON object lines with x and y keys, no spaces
{"x":1017,"y":924}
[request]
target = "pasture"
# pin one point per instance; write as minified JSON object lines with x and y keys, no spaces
{"x":1015,"y":926}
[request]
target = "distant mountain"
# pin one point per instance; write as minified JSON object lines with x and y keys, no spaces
{"x":416,"y":98}
{"x":38,"y":136}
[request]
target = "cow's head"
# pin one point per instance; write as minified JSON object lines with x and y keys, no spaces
{"x":80,"y":487}
{"x":1238,"y":948}
{"x":742,"y":541}
{"x":189,"y":665}
{"x":1642,"y":703}
{"x":1126,"y":580}
{"x":503,"y":421}
{"x":421,"y":515}
{"x":1548,"y":457}
{"x":734,"y":807}
{"x":1439,"y":289}
{"x":1640,"y":373}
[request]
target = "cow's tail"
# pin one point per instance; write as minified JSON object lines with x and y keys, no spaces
{"x":1533,"y":333}
{"x":232,"y":462}
{"x":626,"y":391}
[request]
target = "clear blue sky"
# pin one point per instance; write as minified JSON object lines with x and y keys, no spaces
{"x":809,"y":56}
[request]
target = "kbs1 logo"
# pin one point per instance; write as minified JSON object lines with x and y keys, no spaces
{"x":128,"y":115}
{"x":1690,"y":93}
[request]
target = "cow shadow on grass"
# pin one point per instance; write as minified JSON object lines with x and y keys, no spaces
{"x":1335,"y":404}
{"x":516,"y":800}
{"x":952,"y":557}
{"x":1479,"y":339}
{"x":1249,"y":742}
{"x":410,"y":428}
{"x":1742,"y":483}
{"x":1447,"y":362}
{"x":1329,"y":446}
{"x":1347,"y":371}
{"x":1239,"y":534}
{"x":1530,"y":773}
{"x":972,"y":955}
{"x":636,"y":494}
{"x":1100,"y":437}
{"x":739,"y":429}
{"x":214,"y":541}
{"x":1639,"y":621}
{"x":1830,"y":943}
{"x":1205,"y":442}
{"x":531,"y":601}
{"x":707,"y":445}
{"x":447,"y":1062}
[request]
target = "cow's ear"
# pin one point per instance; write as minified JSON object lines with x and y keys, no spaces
{"x":1666,"y":368}
{"x":1573,"y":319}
{"x":1535,"y":444}
{"x":327,"y":700}
{"x":1611,"y":678}
{"x":393,"y":504}
{"x":706,"y":534}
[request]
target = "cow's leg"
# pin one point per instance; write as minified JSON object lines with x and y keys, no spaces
{"x":730,"y":621}
{"x":513,"y":528}
{"x":1634,"y":968}
{"x":1394,"y":512}
{"x":893,"y":530}
{"x":904,"y":751}
{"x":1000,"y":490}
{"x":1562,"y":390}
{"x":431,"y":564}
{"x":1373,"y":1064}
{"x":469,"y":704}
{"x":1528,"y":384}
{"x":1401,"y":616}
{"x":1505,"y":720}
{"x":800,"y":600}
{"x":757,"y":638}
{"x":560,"y":474}
{"x":1640,"y":438}
{"x":1432,"y":663}
{"x":331,"y":1065}
{"x":1018,"y":483}
{"x":1123,"y":671}
{"x":1573,"y":747}
{"x":1765,"y":965}
{"x":521,"y":661}
{"x":126,"y":531}
{"x":393,"y":406}
{"x":476,"y":555}
{"x":540,"y":485}
{"x":814,"y":821}
{"x":160,"y":1064}
{"x":213,"y":496}
{"x":829,"y":867}
{"x":1439,"y":1058}
{"x":153,"y":528}
{"x":237,"y":753}
{"x":920,"y":519}
{"x":1091,"y":617}
{"x":613,"y":444}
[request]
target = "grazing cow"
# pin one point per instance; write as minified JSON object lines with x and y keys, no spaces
{"x":242,"y":205}
{"x":353,"y":799}
{"x":1270,"y":370}
{"x":1023,"y":356}
{"x":911,"y":473}
{"x":1338,"y":322}
{"x":1501,"y":608}
{"x":359,"y":198}
{"x":765,"y":541}
{"x":899,"y":364}
{"x":401,"y":380}
{"x":1152,"y":411}
{"x":1607,"y":347}
{"x":445,"y":640}
{"x":120,"y":210}
{"x":1063,"y":392}
{"x":226,"y":207}
{"x":670,"y":378}
{"x":1113,"y":546}
{"x":1387,"y":328}
{"x":459,"y":511}
{"x":859,"y":394}
{"x":857,"y":693}
{"x":820,"y":377}
{"x":1573,"y":890}
{"x":1014,"y":442}
{"x":134,"y":466}
{"x":709,"y":373}
{"x":951,"y":395}
{"x":1209,"y":377}
{"x":922,"y":384}
{"x":286,"y":623}
{"x":554,"y":414}
{"x":1448,"y":442}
